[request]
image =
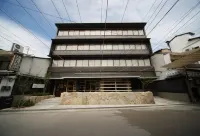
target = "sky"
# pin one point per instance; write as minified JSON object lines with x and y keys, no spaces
{"x":34,"y":30}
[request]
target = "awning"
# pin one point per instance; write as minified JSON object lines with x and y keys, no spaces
{"x":184,"y":59}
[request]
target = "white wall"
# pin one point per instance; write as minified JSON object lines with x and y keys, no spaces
{"x":34,"y":66}
{"x":180,"y":42}
{"x":158,"y":61}
{"x":7,"y":81}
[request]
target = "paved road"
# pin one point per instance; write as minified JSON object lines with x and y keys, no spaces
{"x":176,"y":121}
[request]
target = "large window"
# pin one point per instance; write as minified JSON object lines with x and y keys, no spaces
{"x":103,"y":63}
{"x":100,"y":32}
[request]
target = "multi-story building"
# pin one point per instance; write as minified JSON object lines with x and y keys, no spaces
{"x":99,"y":57}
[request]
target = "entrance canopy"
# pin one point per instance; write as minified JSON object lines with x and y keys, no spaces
{"x":184,"y":59}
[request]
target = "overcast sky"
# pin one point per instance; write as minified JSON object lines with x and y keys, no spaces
{"x":90,"y":11}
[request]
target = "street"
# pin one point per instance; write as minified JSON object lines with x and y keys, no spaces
{"x":108,"y":122}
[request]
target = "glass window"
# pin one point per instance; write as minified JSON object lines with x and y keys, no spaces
{"x":82,"y":32}
{"x":114,"y":32}
{"x":74,"y":47}
{"x":104,"y":62}
{"x":125,"y":32}
{"x":141,"y":62}
{"x":147,"y":62}
{"x":97,"y":63}
{"x":121,"y":47}
{"x":109,"y":47}
{"x":115,"y":47}
{"x":138,"y":47}
{"x":122,"y":62}
{"x":79,"y":63}
{"x":63,"y":47}
{"x":135,"y":32}
{"x":110,"y":62}
{"x":67,"y":63}
{"x":80,"y":47}
{"x":116,"y":62}
{"x":126,"y":47}
{"x":108,"y":32}
{"x":91,"y":63}
{"x":94,"y":47}
{"x":130,"y":32}
{"x":86,"y":47}
{"x":85,"y":63}
{"x":60,"y":33}
{"x":135,"y":62}
{"x":66,"y":33}
{"x":132,"y":46}
{"x":72,"y":63}
{"x":69,"y":47}
{"x":60,"y":63}
{"x":87,"y":33}
{"x":58,"y":47}
{"x":92,"y":32}
{"x":103,"y":32}
{"x":119,"y":32}
{"x":140,"y":32}
{"x":71,"y":32}
{"x":143,"y":46}
{"x":76,"y":32}
{"x":54,"y":63}
{"x":128,"y":62}
{"x":98,"y":32}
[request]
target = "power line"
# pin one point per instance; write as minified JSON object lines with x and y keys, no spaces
{"x":78,"y":10}
{"x":57,"y":11}
{"x":66,"y":10}
{"x":163,"y":16}
{"x":149,"y":24}
{"x":125,"y":10}
{"x":34,"y":19}
{"x":182,"y":18}
{"x":149,"y":9}
{"x":155,"y":11}
{"x":43,"y":15}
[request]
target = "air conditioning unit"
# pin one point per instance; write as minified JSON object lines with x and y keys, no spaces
{"x":17,"y":48}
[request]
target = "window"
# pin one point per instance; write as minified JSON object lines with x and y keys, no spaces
{"x":115,"y":47}
{"x":129,"y":62}
{"x":107,"y":47}
{"x":140,"y":32}
{"x":85,"y":63}
{"x":85,"y":47}
{"x":135,"y":62}
{"x":76,"y":33}
{"x":138,"y":47}
{"x":132,"y":46}
{"x":98,"y":32}
{"x":119,"y":32}
{"x":135,"y":32}
{"x":80,"y":47}
{"x":70,"y":63}
{"x":94,"y":47}
{"x":87,"y":33}
{"x":79,"y":63}
{"x":126,"y":47}
{"x":143,"y":46}
{"x":122,"y":62}
{"x":92,"y":32}
{"x":60,"y":47}
{"x":66,"y":33}
{"x":72,"y":47}
{"x":116,"y":62}
{"x":110,"y":62}
{"x":130,"y":32}
{"x":125,"y":32}
{"x":121,"y":47}
{"x":91,"y":63}
{"x":60,"y":63}
{"x":104,"y":63}
{"x":71,"y":32}
{"x":147,"y":62}
{"x":4,"y":65}
{"x":54,"y":63}
{"x":82,"y":32}
{"x":60,"y":33}
{"x":141,"y":62}
{"x":114,"y":32}
{"x":97,"y":63}
{"x":108,"y":32}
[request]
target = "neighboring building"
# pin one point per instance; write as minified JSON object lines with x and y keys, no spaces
{"x":182,"y":78}
{"x":84,"y":59}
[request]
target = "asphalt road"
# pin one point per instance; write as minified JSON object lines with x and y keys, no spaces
{"x":114,"y":122}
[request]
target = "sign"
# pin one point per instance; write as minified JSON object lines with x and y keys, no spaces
{"x":15,"y":63}
{"x":38,"y":86}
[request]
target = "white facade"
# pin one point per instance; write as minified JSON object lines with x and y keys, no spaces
{"x":6,"y":85}
{"x":34,"y":66}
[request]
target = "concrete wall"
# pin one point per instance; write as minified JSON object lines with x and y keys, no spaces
{"x":175,"y":96}
{"x":106,"y":98}
{"x":178,"y":43}
{"x":157,"y":60}
{"x":7,"y":81}
{"x":34,"y":66}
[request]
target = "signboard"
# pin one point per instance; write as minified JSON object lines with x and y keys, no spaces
{"x":38,"y":86}
{"x":15,"y":63}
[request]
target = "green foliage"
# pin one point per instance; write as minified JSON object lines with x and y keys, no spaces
{"x":39,"y":94}
{"x":23,"y":103}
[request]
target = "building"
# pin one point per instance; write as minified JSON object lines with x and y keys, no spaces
{"x":88,"y":57}
{"x":178,"y":69}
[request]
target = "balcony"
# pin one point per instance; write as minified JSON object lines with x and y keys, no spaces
{"x":99,"y":52}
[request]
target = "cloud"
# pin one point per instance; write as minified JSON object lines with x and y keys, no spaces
{"x":13,"y":31}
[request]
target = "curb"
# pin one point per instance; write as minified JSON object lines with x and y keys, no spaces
{"x":88,"y":108}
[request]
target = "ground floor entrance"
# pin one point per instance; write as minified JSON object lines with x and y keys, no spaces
{"x":95,"y":85}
